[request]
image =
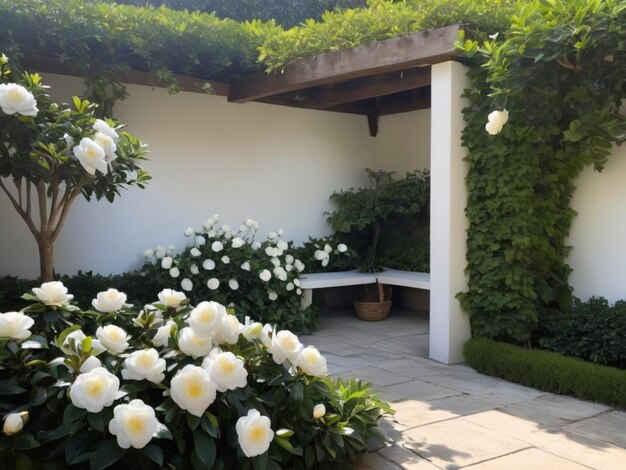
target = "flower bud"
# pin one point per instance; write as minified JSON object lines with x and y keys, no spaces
{"x":319,"y":411}
{"x":14,"y":423}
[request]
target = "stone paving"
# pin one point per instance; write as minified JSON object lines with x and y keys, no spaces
{"x":450,"y":417}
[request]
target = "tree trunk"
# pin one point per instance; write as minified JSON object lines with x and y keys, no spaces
{"x":46,"y":256}
{"x":375,"y":237}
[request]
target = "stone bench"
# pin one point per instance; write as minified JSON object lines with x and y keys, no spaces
{"x":391,"y":277}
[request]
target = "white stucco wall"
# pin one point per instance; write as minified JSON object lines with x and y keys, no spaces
{"x":598,"y":234}
{"x":275,"y":164}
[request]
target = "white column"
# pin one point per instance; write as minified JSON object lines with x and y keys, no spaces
{"x":449,"y":325}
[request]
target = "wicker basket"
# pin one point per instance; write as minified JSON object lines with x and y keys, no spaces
{"x":373,"y":311}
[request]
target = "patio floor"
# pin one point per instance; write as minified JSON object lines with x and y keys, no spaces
{"x":452,"y":417}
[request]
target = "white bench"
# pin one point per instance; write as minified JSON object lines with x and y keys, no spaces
{"x":392,"y":277}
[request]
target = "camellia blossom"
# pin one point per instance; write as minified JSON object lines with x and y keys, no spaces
{"x":90,"y":364}
{"x":193,"y":269}
{"x":213,"y":283}
{"x":319,"y":411}
{"x":237,"y":242}
{"x":195,"y":252}
{"x":299,"y":265}
{"x":94,"y":390}
{"x":109,"y":301}
{"x":245,"y":266}
{"x":15,"y":325}
{"x":228,"y":330}
{"x":171,"y":298}
{"x":15,"y":98}
{"x":265,"y":275}
{"x":133,"y":424}
{"x":14,"y":423}
{"x":204,"y":319}
{"x":208,"y":264}
{"x":148,"y":254}
{"x":225,"y":259}
{"x":254,"y":433}
{"x":192,"y":344}
{"x":226,"y":370}
{"x":101,"y":126}
{"x":107,"y":144}
{"x":186,"y":284}
{"x":189,"y":231}
{"x":200,"y":240}
{"x":496,"y":120}
{"x":162,"y":336}
{"x":251,"y":330}
{"x":342,"y":248}
{"x":144,"y":364}
{"x":272,"y":296}
{"x":217,"y":246}
{"x":282,"y":245}
{"x":174,"y":272}
{"x":166,"y":263}
{"x":193,"y":390}
{"x":113,"y":338}
{"x":312,"y":362}
{"x":53,"y":294}
{"x":91,"y":156}
{"x":233,"y":284}
{"x":285,"y":345}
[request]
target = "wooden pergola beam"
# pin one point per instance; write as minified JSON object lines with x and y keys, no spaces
{"x":418,"y":49}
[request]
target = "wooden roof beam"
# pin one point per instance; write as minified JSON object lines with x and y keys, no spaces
{"x":418,"y":49}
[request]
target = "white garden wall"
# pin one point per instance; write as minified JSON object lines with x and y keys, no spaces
{"x":275,"y":164}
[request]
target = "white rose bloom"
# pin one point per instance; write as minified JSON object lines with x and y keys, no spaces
{"x":299,"y":265}
{"x":171,"y":248}
{"x":217,"y":246}
{"x":144,"y":364}
{"x":160,"y":252}
{"x":312,"y":362}
{"x":15,"y":98}
{"x":109,"y":301}
{"x":102,"y":126}
{"x":166,"y":263}
{"x":226,"y":370}
{"x":162,"y":336}
{"x":279,"y":272}
{"x":272,"y":296}
{"x":325,"y":262}
{"x":225,"y":228}
{"x":107,"y":144}
{"x":193,"y":269}
{"x":186,"y":284}
{"x":213,"y":283}
{"x":200,"y":240}
{"x":249,"y":223}
{"x":252,"y":331}
{"x":91,"y":363}
{"x":285,"y":345}
{"x":237,"y":242}
{"x":497,"y":119}
{"x":134,"y":424}
{"x":113,"y":338}
{"x":208,"y":264}
{"x":189,"y":231}
{"x":53,"y":294}
{"x":269,"y":251}
{"x":342,"y":248}
{"x":289,"y":259}
{"x":319,"y":411}
{"x":280,"y":232}
{"x":14,"y":423}
{"x":15,"y":325}
{"x":211,"y":233}
{"x":298,"y":291}
{"x":272,"y":235}
{"x":193,"y":345}
{"x":233,"y":284}
{"x":225,"y":259}
{"x":265,"y":275}
{"x":195,"y":252}
{"x":171,"y":298}
{"x":282,"y":245}
{"x":91,"y":156}
{"x":245,"y":266}
{"x":193,"y":390}
{"x":208,"y":224}
{"x":228,"y":330}
{"x":320,"y":255}
{"x":148,"y":254}
{"x":204,"y":319}
{"x":289,"y":267}
{"x":266,"y":336}
{"x":328,"y":248}
{"x":256,"y":245}
{"x":275,"y":262}
{"x":77,"y":336}
{"x":174,"y":272}
{"x":290,"y":286}
{"x":254,"y":433}
{"x":297,"y":282}
{"x":94,"y":390}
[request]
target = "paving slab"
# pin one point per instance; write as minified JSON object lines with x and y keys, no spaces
{"x":527,"y":459}
{"x":609,"y":427}
{"x":412,"y":413}
{"x":405,"y":458}
{"x":377,"y":376}
{"x":418,"y":389}
{"x":375,"y":461}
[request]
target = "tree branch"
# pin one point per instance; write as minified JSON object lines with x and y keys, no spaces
{"x":43,"y":205}
{"x":26,"y":216}
{"x":66,"y":206}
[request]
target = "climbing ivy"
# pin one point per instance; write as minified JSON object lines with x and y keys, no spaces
{"x":559,"y":70}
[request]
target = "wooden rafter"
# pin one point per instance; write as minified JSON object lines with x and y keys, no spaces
{"x":419,"y":49}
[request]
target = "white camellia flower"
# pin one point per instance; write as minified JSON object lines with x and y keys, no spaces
{"x":275,"y":262}
{"x":282,"y":245}
{"x":53,"y":294}
{"x":166,"y":263}
{"x":272,"y":296}
{"x":298,"y":291}
{"x":189,"y":231}
{"x":299,"y":265}
{"x":208,"y":264}
{"x":211,"y":233}
{"x":14,"y":423}
{"x":15,"y":325}
{"x":225,"y":228}
{"x":312,"y":362}
{"x":15,"y":98}
{"x":193,"y":269}
{"x":160,"y":252}
{"x":251,"y":330}
{"x":289,"y":267}
{"x":297,"y":282}
{"x":171,"y":298}
{"x":254,"y":433}
{"x":77,"y":336}
{"x":208,"y":224}
{"x":148,"y":254}
{"x":174,"y":272}
{"x":204,"y":319}
{"x":200,"y":240}
{"x":289,"y":259}
{"x":290,"y":286}
{"x":228,"y":330}
{"x":285,"y":345}
{"x":319,"y":411}
{"x":217,"y":246}
{"x":162,"y":336}
{"x":237,"y":242}
{"x":101,"y":126}
{"x":213,"y":283}
{"x":109,"y":301}
{"x":171,"y":249}
{"x":225,"y":259}
{"x":195,"y":252}
{"x":226,"y":370}
{"x":107,"y":144}
{"x":91,"y":156}
{"x":265,"y":275}
{"x":144,"y":364}
{"x":186,"y":284}
{"x":113,"y":338}
{"x":193,"y":390}
{"x":256,"y":245}
{"x":245,"y":266}
{"x":272,"y":235}
{"x":233,"y":284}
{"x":192,"y":344}
{"x":342,"y":248}
{"x":249,"y":223}
{"x":328,"y":248}
{"x":280,"y":273}
{"x":496,"y":120}
{"x":94,"y":390}
{"x":320,"y":255}
{"x":134,"y":424}
{"x":90,"y":364}
{"x":269,"y":251}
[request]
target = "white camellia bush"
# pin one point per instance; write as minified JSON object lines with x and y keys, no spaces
{"x":94,"y":390}
{"x":254,"y":433}
{"x":134,"y":424}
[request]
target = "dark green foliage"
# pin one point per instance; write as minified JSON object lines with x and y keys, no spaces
{"x":547,"y":371}
{"x":337,"y":260}
{"x":594,"y":331}
{"x":560,"y":74}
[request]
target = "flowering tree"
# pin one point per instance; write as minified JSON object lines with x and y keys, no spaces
{"x":50,"y":154}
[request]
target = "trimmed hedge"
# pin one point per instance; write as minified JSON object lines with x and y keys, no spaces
{"x":547,"y":371}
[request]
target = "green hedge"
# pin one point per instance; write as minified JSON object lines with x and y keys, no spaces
{"x":547,"y":371}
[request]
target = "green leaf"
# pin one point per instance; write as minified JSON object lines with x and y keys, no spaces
{"x":9,"y":387}
{"x":192,"y":421}
{"x":77,"y":448}
{"x":38,"y":396}
{"x":210,"y":425}
{"x":73,"y":413}
{"x":205,"y":448}
{"x":25,"y":441}
{"x":154,"y":453}
{"x":105,"y":455}
{"x":24,"y":462}
{"x":285,"y":444}
{"x":260,"y":462}
{"x":96,"y":421}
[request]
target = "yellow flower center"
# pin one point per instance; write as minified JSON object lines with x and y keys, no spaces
{"x":257,"y":434}
{"x":91,"y":152}
{"x":136,"y":424}
{"x":226,"y":366}
{"x":15,"y":95}
{"x":111,"y":295}
{"x":205,"y":315}
{"x":195,"y":388}
{"x":144,"y":359}
{"x":114,"y":334}
{"x":95,"y":386}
